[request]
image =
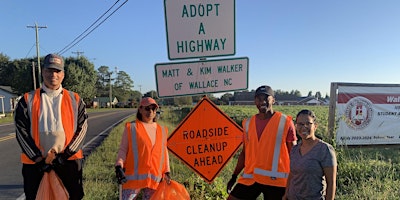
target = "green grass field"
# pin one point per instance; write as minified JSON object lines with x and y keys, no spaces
{"x":363,"y":173}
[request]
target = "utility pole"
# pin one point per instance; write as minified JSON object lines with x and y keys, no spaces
{"x":37,"y":49}
{"x":140,"y":89}
{"x":33,"y":74}
{"x":78,"y":53}
{"x":109,"y":74}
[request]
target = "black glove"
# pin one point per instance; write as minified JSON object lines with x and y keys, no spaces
{"x":231,"y":183}
{"x":168,"y":177}
{"x":59,"y":160}
{"x":120,"y":174}
{"x":42,"y":166}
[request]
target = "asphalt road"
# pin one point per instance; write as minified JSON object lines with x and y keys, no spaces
{"x":11,"y":183}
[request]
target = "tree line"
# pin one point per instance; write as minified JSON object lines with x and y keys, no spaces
{"x":82,"y":77}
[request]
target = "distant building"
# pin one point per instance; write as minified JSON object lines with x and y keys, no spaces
{"x":247,"y":98}
{"x":243,"y":98}
{"x":8,"y":100}
{"x":104,"y":102}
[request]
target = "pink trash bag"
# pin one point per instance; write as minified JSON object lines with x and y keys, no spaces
{"x":51,"y":188}
{"x":173,"y":191}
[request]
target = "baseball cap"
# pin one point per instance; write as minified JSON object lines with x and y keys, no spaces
{"x":265,"y":89}
{"x":54,"y":61}
{"x":146,"y":101}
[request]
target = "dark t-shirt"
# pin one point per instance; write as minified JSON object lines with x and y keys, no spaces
{"x":308,"y":180}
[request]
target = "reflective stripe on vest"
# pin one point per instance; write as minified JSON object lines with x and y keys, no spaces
{"x":275,"y":162}
{"x":136,"y":160}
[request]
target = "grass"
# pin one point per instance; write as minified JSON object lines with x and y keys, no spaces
{"x":363,"y":173}
{"x":7,"y":119}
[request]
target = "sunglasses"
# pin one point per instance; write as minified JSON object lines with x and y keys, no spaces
{"x":308,"y":124}
{"x":148,"y":108}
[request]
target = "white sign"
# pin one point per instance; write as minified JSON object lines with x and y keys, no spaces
{"x":368,"y":115}
{"x":201,"y":77}
{"x":200,"y":28}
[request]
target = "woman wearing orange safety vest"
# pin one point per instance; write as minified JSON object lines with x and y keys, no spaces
{"x":143,"y":153}
{"x":268,"y":137}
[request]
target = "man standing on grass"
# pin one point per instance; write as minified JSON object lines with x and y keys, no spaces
{"x":267,"y":140}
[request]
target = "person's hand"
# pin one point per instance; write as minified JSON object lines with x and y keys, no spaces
{"x":42,"y":166}
{"x":167,"y":177}
{"x":59,"y":160}
{"x":231,"y":182}
{"x":51,"y":155}
{"x":120,"y":174}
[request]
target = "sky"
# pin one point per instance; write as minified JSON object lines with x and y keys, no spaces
{"x":299,"y":45}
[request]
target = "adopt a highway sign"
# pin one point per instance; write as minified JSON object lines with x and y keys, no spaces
{"x":200,"y":28}
{"x":201,"y":77}
{"x":206,"y":139}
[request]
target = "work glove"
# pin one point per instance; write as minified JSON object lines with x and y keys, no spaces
{"x":59,"y":160}
{"x":42,"y":166}
{"x":120,"y":174}
{"x":231,"y":182}
{"x":167,"y":177}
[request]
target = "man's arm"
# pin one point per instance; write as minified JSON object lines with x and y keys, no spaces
{"x":239,"y":167}
{"x":23,"y":132}
{"x":291,"y":137}
{"x":240,"y":163}
{"x":79,"y":137}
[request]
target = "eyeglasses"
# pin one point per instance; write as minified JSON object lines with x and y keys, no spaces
{"x":300,"y":124}
{"x":148,"y":108}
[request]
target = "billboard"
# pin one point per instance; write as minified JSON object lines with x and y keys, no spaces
{"x":368,"y":114}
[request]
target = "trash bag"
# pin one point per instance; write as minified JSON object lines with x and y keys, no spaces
{"x":51,"y":188}
{"x":173,"y":191}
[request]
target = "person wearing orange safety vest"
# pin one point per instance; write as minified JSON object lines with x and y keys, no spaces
{"x":267,"y":140}
{"x":51,"y":125}
{"x":143,"y":154}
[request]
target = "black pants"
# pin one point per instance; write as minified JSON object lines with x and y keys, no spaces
{"x":248,"y":192}
{"x":70,"y":174}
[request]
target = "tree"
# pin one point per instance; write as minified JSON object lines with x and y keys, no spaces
{"x":103,"y":80}
{"x":225,"y":98}
{"x":123,"y":85}
{"x":21,"y":73}
{"x":309,"y":94}
{"x":5,"y":70}
{"x":152,"y":94}
{"x":295,"y":93}
{"x":185,"y":100}
{"x":80,"y":77}
{"x":318,"y":95}
{"x":135,"y":98}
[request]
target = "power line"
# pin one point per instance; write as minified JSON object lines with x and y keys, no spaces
{"x":62,"y":50}
{"x":77,"y":40}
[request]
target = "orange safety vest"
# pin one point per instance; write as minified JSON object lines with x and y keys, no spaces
{"x":145,"y":163}
{"x":267,"y":159}
{"x":69,"y":115}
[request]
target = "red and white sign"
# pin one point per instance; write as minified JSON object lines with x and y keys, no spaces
{"x":368,"y":115}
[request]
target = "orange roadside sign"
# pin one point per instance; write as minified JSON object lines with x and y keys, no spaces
{"x":206,"y":139}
